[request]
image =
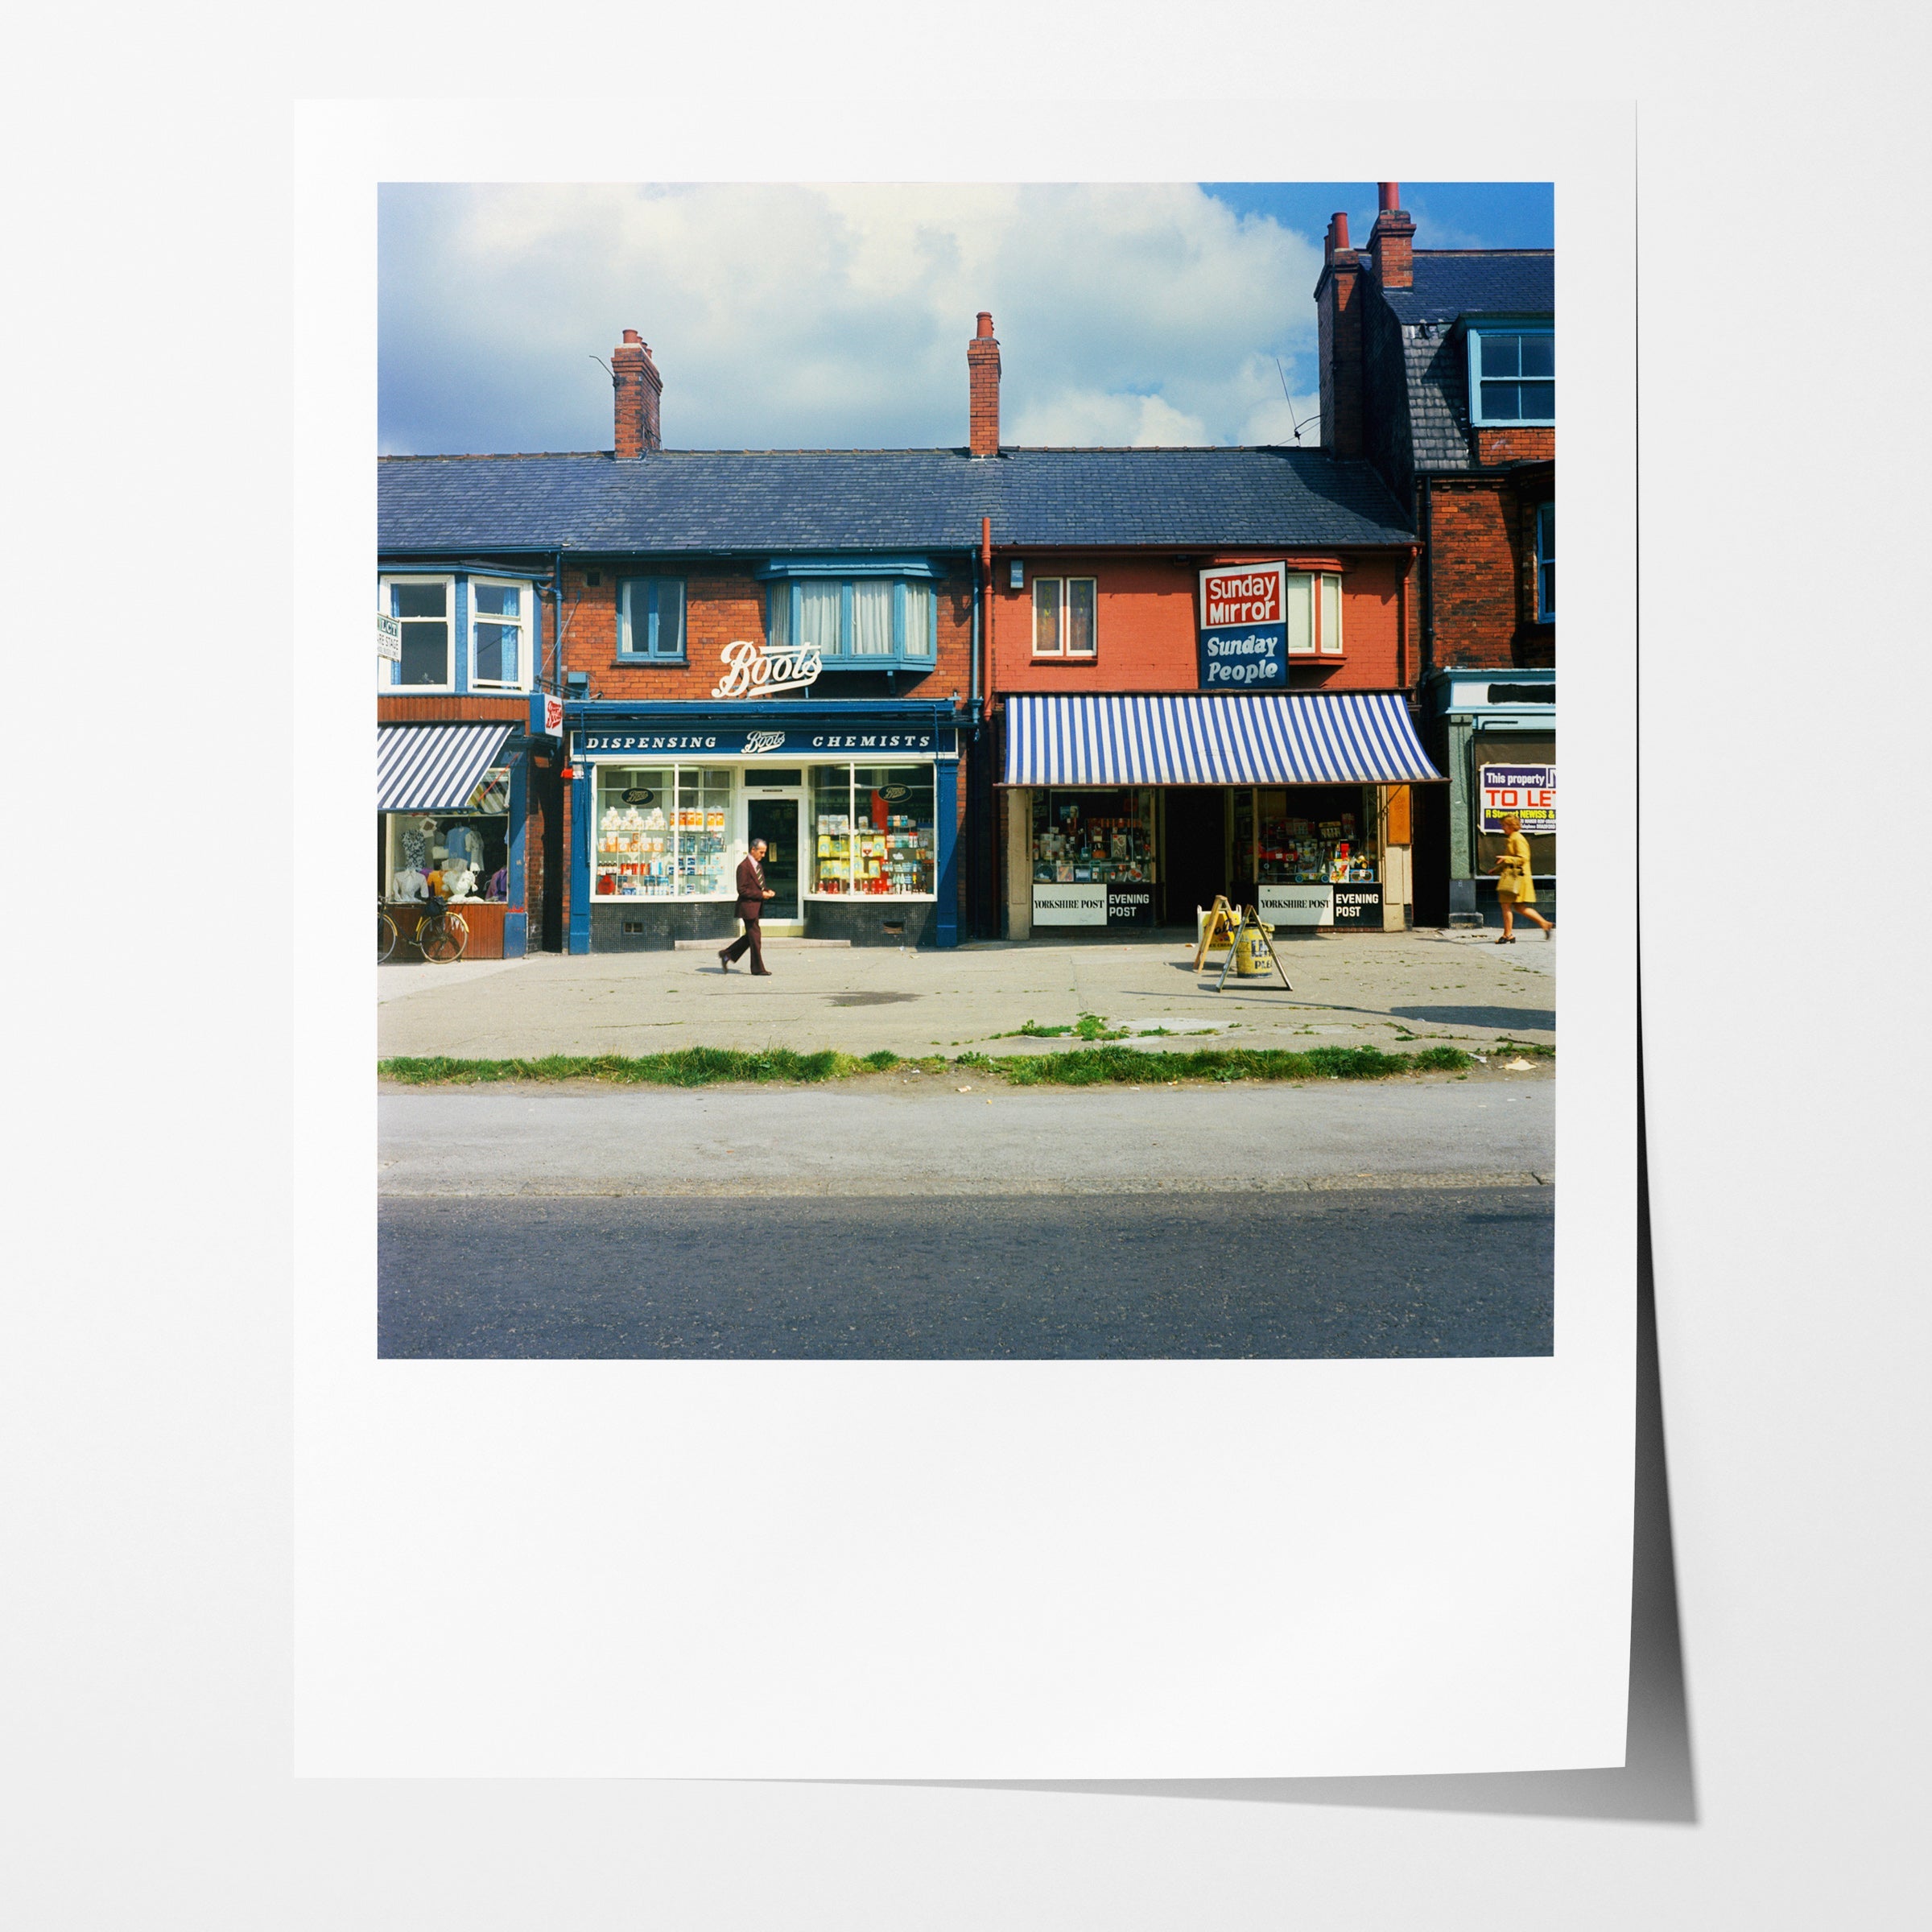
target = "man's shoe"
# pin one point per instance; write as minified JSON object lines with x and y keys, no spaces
{"x":761,"y":973}
{"x":724,"y":961}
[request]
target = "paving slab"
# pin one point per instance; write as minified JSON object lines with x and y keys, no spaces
{"x":1383,"y":989}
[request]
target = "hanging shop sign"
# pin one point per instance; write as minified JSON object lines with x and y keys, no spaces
{"x":1526,"y":791}
{"x":389,"y":638}
{"x":1296,"y":905}
{"x":1243,"y":627}
{"x":745,"y":742}
{"x":553,"y":714}
{"x":761,"y":671}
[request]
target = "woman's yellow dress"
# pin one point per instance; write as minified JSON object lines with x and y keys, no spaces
{"x":1513,"y":882}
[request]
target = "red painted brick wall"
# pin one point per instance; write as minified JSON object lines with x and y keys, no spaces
{"x":1515,"y":445}
{"x":1145,"y":625}
{"x":1484,"y":575}
{"x":721,"y":607}
{"x":448,"y":710}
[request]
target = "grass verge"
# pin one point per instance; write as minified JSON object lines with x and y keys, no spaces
{"x":1101,"y":1065}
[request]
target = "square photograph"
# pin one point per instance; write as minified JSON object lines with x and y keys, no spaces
{"x":966,"y":773}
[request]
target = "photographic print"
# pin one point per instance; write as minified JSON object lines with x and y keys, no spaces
{"x":967,"y":772}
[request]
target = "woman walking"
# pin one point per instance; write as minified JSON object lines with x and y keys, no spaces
{"x":1515,"y":891}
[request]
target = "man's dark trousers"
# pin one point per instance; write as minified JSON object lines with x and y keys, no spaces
{"x":748,"y":939}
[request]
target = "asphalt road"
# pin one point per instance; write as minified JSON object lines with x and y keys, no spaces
{"x":1437,"y":1271}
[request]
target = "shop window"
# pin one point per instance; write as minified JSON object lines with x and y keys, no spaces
{"x":1308,"y":835}
{"x":1063,"y":617}
{"x":1545,"y":564}
{"x":499,"y":635}
{"x":873,"y":831}
{"x":462,"y":855}
{"x":1314,"y":614}
{"x":663,"y":831}
{"x":1512,"y":376}
{"x":651,"y":619}
{"x":857,"y":622}
{"x":424,"y":605}
{"x":1092,"y":837}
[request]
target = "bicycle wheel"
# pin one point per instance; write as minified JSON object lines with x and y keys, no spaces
{"x":459,"y":931}
{"x":386,"y":935}
{"x":439,"y":941}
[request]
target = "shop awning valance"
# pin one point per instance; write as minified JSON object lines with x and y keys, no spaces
{"x":433,"y":767}
{"x":1256,"y":738}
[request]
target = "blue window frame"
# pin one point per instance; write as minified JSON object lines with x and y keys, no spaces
{"x":650,"y":620}
{"x":1545,"y":563}
{"x":1512,"y":376}
{"x":880,"y":615}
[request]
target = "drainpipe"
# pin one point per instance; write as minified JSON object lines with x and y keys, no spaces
{"x":995,"y":805}
{"x":1428,"y":664}
{"x":986,"y":571}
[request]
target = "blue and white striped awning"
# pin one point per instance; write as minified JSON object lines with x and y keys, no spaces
{"x":1256,"y":738}
{"x":434,"y":767}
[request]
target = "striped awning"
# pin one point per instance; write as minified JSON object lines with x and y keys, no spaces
{"x":1256,"y":738}
{"x":434,"y":767}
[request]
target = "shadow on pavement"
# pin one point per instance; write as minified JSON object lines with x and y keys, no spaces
{"x":1501,"y":1018}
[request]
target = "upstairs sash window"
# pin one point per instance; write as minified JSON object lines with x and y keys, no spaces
{"x":499,"y":627}
{"x":651,"y":619}
{"x":1512,"y":376}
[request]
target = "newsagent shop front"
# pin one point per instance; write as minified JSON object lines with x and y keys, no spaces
{"x":1138,"y":811}
{"x":857,"y":803}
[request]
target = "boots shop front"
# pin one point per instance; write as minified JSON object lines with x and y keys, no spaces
{"x":858,"y":802}
{"x":1140,"y":811}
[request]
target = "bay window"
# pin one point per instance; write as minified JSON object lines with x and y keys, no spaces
{"x":499,"y":635}
{"x":878,"y":621}
{"x":425,"y":605}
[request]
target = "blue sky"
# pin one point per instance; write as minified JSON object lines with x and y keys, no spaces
{"x":802,"y":316}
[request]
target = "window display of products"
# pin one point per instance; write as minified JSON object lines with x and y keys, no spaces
{"x":1093,"y":837}
{"x":1311,"y":839}
{"x":457,"y":855}
{"x":660,"y":832}
{"x":872,"y":830}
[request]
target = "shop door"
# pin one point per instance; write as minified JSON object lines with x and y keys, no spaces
{"x":776,"y":821}
{"x":1195,"y":861}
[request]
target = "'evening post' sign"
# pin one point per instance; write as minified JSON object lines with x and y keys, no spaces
{"x":1527,"y":790}
{"x":1244,"y":632}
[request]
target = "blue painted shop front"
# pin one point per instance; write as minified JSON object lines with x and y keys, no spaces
{"x":858,"y":800}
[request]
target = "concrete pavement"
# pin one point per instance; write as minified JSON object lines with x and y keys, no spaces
{"x":901,"y":1135}
{"x":1382,"y":989}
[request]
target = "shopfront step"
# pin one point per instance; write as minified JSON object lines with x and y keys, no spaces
{"x":773,"y":942}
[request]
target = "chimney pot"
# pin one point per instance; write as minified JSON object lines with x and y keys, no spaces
{"x":630,"y":335}
{"x":985,"y":326}
{"x":1388,"y":194}
{"x":1340,"y":223}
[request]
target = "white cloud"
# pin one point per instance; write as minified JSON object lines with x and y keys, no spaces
{"x":838,"y":316}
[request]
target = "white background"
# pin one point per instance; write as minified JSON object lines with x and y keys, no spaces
{"x":148,"y":1378}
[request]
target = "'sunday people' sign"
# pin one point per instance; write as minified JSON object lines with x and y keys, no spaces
{"x":1243,"y":627}
{"x":1528,"y":792}
{"x":756,"y":670}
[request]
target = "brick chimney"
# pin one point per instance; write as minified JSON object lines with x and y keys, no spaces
{"x":983,"y":390}
{"x":639,"y":389}
{"x":1339,"y":326}
{"x":1390,"y":239}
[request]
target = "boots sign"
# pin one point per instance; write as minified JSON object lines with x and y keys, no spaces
{"x":755,"y":671}
{"x":1244,"y":629}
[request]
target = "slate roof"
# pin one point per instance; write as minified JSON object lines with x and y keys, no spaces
{"x":752,"y":501}
{"x":1450,"y":282}
{"x":1438,"y":402}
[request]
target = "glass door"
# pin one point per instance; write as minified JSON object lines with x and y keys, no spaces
{"x":778,"y":822}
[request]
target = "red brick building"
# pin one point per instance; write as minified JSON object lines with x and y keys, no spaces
{"x":1438,"y":367}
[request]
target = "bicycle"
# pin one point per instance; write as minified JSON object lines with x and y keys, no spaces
{"x":441,"y":934}
{"x":385,"y":933}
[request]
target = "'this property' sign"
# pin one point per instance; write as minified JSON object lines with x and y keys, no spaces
{"x":1528,"y":791}
{"x":1244,"y":629}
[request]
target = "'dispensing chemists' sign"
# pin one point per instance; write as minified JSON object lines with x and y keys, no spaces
{"x":1243,"y":627}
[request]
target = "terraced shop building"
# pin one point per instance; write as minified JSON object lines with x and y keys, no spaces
{"x":840,"y":651}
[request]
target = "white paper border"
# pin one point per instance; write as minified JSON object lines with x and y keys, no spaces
{"x":1031,"y":1569}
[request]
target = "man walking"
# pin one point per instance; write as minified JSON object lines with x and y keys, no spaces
{"x":753,"y":893}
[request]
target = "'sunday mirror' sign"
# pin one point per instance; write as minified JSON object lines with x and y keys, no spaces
{"x":389,"y":638}
{"x":1526,"y":791}
{"x":754,"y":670}
{"x":1244,"y":626}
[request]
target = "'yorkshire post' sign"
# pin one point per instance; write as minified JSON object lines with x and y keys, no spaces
{"x":1244,"y":628}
